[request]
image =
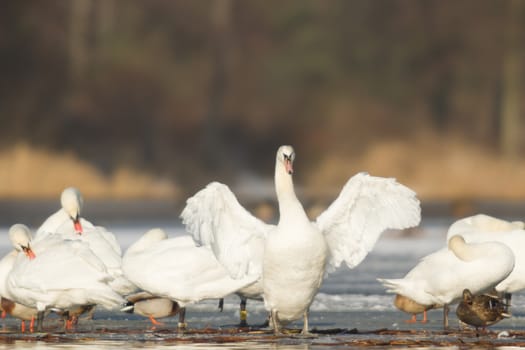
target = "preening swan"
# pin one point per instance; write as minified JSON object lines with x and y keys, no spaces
{"x":297,"y":251}
{"x":62,"y":274}
{"x":484,"y":228}
{"x":67,"y":217}
{"x":441,"y":277}
{"x":67,"y":223}
{"x":20,"y":237}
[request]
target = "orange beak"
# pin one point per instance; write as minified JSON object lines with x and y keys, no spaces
{"x":288,"y":166}
{"x":29,"y":253}
{"x":78,"y":226}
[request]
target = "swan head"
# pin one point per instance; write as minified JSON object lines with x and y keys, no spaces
{"x":20,"y":237}
{"x":71,"y":201}
{"x":147,"y":240}
{"x":286,"y":156}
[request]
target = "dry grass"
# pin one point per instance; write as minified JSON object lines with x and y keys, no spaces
{"x":436,"y":168}
{"x":448,"y":169}
{"x":27,"y":172}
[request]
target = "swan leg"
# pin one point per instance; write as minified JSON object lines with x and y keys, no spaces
{"x":72,"y":322}
{"x":90,"y":312}
{"x":266,"y":322}
{"x":445,"y":316}
{"x":32,"y":324}
{"x":39,"y":321}
{"x":243,"y":314}
{"x":182,"y":316}
{"x":67,"y":321}
{"x":23,"y":326}
{"x":221,"y":304}
{"x":305,"y":330}
{"x":508,"y":297}
{"x":275,"y":322}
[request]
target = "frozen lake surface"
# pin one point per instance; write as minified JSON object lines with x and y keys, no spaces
{"x":351,"y":307}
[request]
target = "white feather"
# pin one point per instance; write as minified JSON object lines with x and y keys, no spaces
{"x":484,"y":228}
{"x":63,"y":274}
{"x":175,"y":268}
{"x":214,"y":218}
{"x":441,"y":277}
{"x":365,"y":208}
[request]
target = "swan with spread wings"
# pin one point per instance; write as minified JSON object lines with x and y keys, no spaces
{"x":292,"y":256}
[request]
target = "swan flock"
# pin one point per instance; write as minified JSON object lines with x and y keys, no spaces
{"x":71,"y":266}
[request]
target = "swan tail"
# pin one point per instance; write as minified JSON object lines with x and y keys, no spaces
{"x":396,"y":286}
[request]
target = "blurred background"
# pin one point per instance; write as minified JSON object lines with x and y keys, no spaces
{"x":151,"y":100}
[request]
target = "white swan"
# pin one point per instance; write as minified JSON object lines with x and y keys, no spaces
{"x":64,"y":274}
{"x":175,"y":268}
{"x":296,"y":251}
{"x":440,"y":277}
{"x":68,"y":224}
{"x":216,"y":220}
{"x":67,"y":218}
{"x":483,"y":228}
{"x":8,"y":306}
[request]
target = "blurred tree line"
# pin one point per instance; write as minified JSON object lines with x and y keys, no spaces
{"x":185,"y":86}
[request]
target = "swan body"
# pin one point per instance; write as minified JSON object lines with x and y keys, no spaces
{"x":441,"y":277}
{"x":18,"y":235}
{"x":175,"y":268}
{"x":484,"y":228}
{"x":62,"y":275}
{"x":284,"y":265}
{"x":297,"y":251}
{"x":68,"y":224}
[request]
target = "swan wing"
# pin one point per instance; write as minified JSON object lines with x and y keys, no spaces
{"x":365,"y":208}
{"x":216,"y":219}
{"x":194,"y":275}
{"x":61,"y":267}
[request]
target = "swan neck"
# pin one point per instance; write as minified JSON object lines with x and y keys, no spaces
{"x":289,"y":205}
{"x":462,"y":250}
